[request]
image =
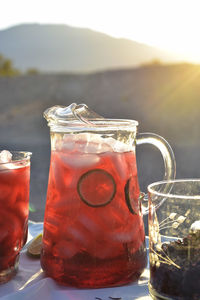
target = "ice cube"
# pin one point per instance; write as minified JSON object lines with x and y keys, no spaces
{"x":119,"y":162}
{"x":87,"y":222}
{"x":122,"y":237}
{"x":79,"y":236}
{"x":66,"y":144}
{"x":6,"y":160}
{"x":5,"y":156}
{"x":131,"y":231}
{"x":118,"y":146}
{"x":96,"y":143}
{"x":80,"y":160}
{"x":98,"y":147}
{"x":84,"y":143}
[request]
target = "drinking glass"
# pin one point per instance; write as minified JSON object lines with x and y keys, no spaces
{"x":14,"y":208}
{"x":174,"y":239}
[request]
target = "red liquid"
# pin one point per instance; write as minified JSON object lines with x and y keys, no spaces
{"x":93,"y":229}
{"x":14,"y":196}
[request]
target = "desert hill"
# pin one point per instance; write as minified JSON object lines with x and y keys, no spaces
{"x":61,"y":48}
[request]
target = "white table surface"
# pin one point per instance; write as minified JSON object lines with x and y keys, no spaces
{"x":31,"y":284}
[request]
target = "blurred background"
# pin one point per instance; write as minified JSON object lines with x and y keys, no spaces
{"x":131,"y":59}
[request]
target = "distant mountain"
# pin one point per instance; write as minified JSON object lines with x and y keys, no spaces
{"x":61,"y":48}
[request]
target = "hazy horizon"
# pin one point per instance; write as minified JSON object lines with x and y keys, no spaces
{"x":182,"y":57}
{"x":63,"y":48}
{"x":168,"y":25}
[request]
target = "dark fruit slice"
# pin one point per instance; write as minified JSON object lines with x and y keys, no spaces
{"x":96,"y":188}
{"x":132,"y":200}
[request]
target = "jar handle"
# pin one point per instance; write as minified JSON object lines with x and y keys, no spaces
{"x":168,"y":158}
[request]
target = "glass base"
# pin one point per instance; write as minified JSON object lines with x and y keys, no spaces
{"x":9,"y":273}
{"x":156,"y":296}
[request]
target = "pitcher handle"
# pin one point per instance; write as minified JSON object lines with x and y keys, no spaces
{"x":168,"y":158}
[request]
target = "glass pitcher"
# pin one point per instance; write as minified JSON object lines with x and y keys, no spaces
{"x":93,"y":227}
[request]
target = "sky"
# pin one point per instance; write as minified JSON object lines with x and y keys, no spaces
{"x":172,"y":25}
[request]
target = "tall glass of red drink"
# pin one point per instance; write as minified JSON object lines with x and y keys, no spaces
{"x":14,"y":208}
{"x":93,"y":228}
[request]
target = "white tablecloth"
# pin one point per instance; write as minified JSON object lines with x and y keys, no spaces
{"x":31,"y":284}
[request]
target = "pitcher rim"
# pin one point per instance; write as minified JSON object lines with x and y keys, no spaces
{"x":94,"y":123}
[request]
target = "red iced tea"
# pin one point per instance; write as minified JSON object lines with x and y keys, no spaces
{"x":14,"y":196}
{"x":93,"y":228}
